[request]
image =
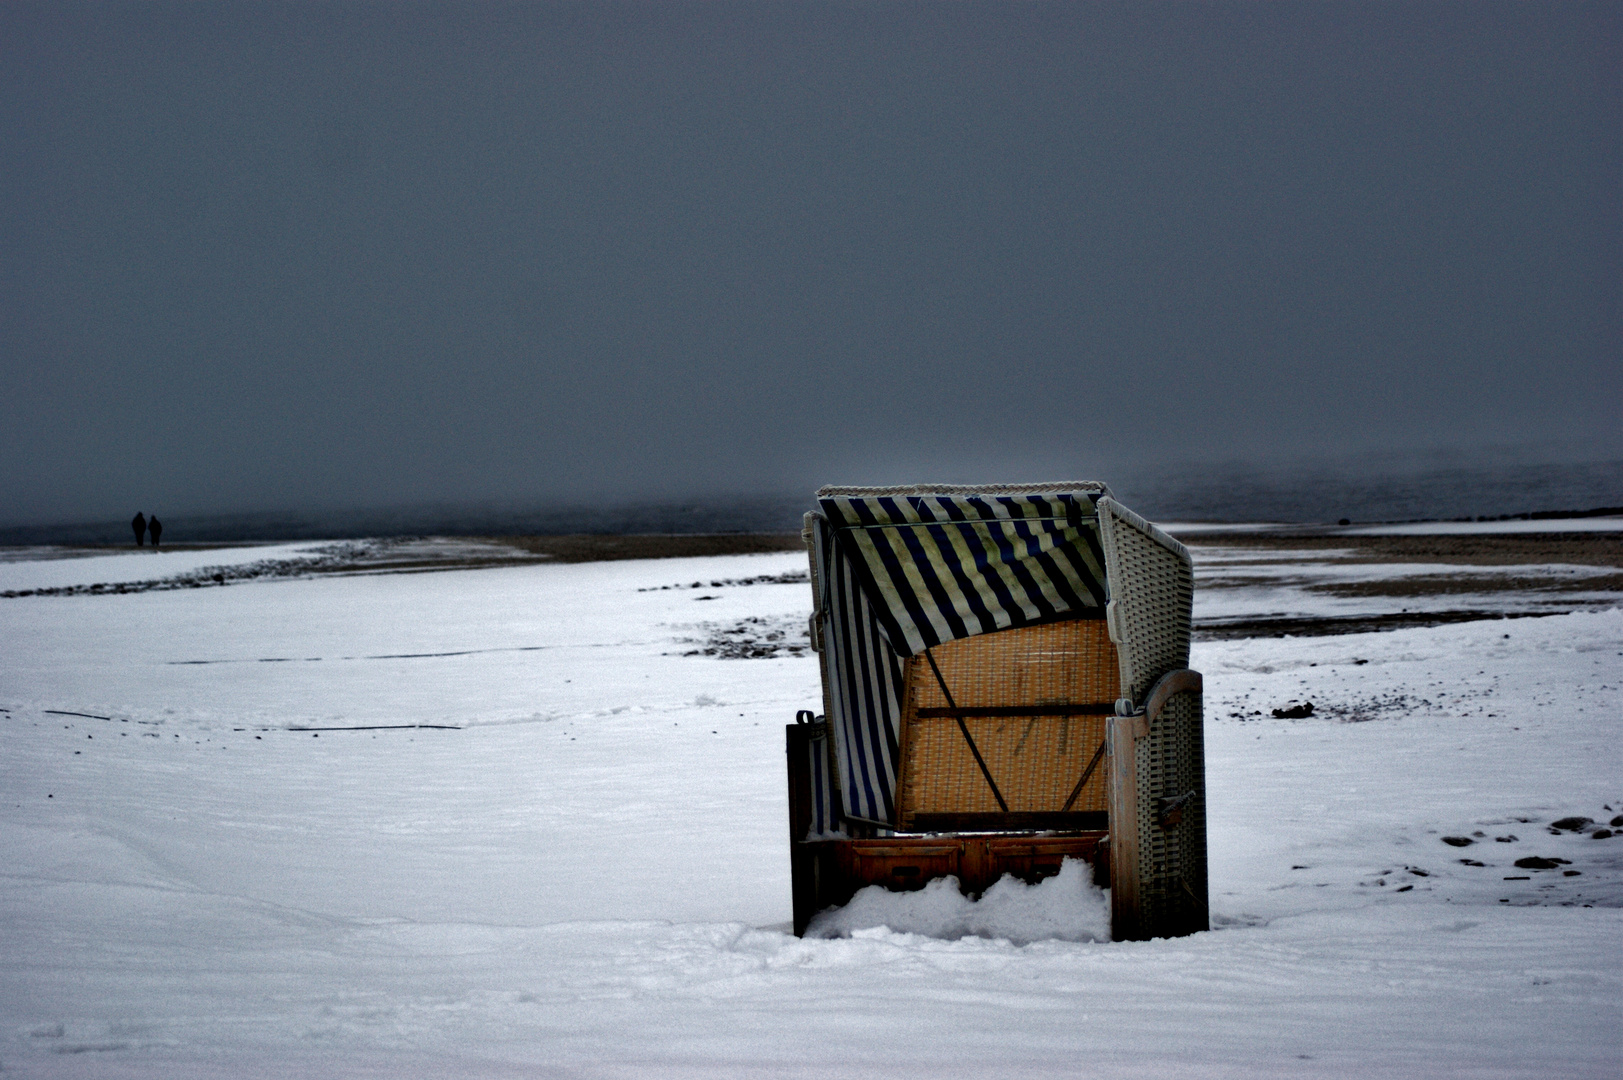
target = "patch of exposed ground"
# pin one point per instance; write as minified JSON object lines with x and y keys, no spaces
{"x":573,"y":549}
{"x":396,"y":555}
{"x":53,"y":552}
{"x":1543,"y":574}
{"x":1474,"y":584}
{"x":793,"y":577}
{"x":1269,"y":626}
{"x":420,"y":554}
{"x":755,"y":638}
{"x":1523,"y":549}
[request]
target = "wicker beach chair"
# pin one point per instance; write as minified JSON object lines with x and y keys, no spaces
{"x":1005,"y":685}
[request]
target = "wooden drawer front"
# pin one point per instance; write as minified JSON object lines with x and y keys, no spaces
{"x":900,"y":867}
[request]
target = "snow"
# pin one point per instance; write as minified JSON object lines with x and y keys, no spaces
{"x":1066,"y":907}
{"x":589,"y":876}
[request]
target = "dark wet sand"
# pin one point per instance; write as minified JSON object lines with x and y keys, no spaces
{"x":594,"y":548}
{"x":1538,"y":593}
{"x":1511,"y":549}
{"x":1588,"y":549}
{"x":1585,"y":549}
{"x":1508,"y":550}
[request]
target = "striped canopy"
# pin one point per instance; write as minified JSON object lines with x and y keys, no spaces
{"x":941,"y":563}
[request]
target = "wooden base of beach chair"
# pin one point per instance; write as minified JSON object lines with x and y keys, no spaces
{"x":827,"y":873}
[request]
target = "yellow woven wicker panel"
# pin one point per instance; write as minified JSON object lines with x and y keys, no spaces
{"x":1036,"y":760}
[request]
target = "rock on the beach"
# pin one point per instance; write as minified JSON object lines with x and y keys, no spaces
{"x":1458,"y":841}
{"x":1571,"y":824}
{"x":1535,"y":862}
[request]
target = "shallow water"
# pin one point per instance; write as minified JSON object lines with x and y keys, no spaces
{"x":1360,"y":492}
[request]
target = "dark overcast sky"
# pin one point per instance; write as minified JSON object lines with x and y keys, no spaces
{"x":259,"y":256}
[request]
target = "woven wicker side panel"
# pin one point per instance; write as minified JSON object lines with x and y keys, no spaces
{"x":1153,"y":591}
{"x":1172,"y":861}
{"x":1036,"y":760}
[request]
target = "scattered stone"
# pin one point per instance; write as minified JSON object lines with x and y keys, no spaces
{"x":1535,"y":862}
{"x":1616,"y":822}
{"x":793,"y":577}
{"x":1294,"y":712}
{"x":1405,"y":888}
{"x":1472,"y":862}
{"x":1571,"y":873}
{"x":1458,"y":841}
{"x":1417,"y":872}
{"x":1571,"y":824}
{"x":340,"y":557}
{"x":754,"y":638}
{"x":1600,"y":834}
{"x":1508,"y":839}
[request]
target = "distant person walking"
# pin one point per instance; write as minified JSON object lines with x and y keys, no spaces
{"x":140,"y":527}
{"x":155,"y":527}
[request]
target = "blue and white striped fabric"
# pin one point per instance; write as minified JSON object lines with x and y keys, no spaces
{"x":941,"y":566}
{"x":864,"y":688}
{"x":826,"y":811}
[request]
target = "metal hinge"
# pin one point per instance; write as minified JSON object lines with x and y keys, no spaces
{"x":1171,"y":809}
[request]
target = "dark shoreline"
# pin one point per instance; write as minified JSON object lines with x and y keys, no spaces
{"x":424,"y":554}
{"x":1477,"y":549}
{"x":439,"y":554}
{"x":1468,"y":549}
{"x":1337,"y":625}
{"x":598,"y":547}
{"x":1366,"y":490}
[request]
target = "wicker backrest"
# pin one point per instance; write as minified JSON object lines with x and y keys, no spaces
{"x":1152,"y":592}
{"x":1036,"y":760}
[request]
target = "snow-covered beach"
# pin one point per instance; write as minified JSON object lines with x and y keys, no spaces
{"x":553,"y":840}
